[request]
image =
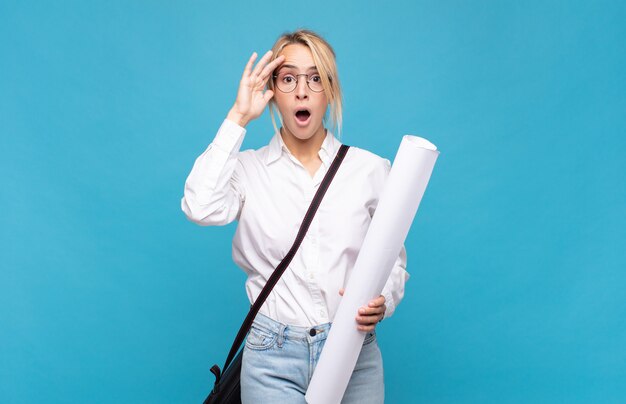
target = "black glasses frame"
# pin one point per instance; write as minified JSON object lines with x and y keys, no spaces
{"x":308,"y":82}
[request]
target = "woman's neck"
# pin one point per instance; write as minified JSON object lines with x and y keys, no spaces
{"x":304,"y":150}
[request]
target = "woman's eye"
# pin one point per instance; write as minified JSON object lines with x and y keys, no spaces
{"x":288,"y":78}
{"x":316,"y":78}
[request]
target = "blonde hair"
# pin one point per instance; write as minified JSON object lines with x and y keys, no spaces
{"x":324,"y":58}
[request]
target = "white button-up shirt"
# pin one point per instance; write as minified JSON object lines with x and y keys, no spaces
{"x":268,"y":191}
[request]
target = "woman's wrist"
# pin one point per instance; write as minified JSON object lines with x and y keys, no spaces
{"x":237,"y":117}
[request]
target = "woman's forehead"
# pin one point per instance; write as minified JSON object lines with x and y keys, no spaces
{"x":297,"y":57}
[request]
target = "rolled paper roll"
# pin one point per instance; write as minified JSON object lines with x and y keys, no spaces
{"x":388,"y":229}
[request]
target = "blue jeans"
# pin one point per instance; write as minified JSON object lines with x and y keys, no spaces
{"x":278,"y":362}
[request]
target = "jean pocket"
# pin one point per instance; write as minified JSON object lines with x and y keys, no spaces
{"x":369,"y":337}
{"x":260,"y":339}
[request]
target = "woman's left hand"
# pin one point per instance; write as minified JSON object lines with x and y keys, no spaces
{"x":369,"y":316}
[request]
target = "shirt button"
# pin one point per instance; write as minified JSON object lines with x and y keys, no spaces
{"x":311,"y":276}
{"x":322,"y":313}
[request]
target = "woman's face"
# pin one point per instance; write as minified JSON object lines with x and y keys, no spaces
{"x":298,"y":60}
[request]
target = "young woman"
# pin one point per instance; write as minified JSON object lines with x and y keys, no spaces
{"x":268,"y":191}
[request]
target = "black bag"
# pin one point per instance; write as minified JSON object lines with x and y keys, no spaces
{"x":226,"y":389}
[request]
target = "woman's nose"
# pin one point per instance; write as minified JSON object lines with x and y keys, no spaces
{"x":302,"y":88}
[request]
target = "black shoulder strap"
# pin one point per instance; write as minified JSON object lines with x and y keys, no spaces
{"x":304,"y":227}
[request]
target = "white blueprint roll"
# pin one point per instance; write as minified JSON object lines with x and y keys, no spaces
{"x":388,"y":229}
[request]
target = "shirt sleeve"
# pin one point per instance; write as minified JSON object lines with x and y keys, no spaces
{"x":394,"y":287}
{"x":214,"y":191}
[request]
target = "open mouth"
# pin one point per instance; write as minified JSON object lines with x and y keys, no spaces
{"x":303,"y":115}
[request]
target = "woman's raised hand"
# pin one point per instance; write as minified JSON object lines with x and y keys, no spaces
{"x":251,"y":100}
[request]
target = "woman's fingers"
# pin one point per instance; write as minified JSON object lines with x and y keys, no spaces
{"x":251,"y":100}
{"x":259,"y":66}
{"x":373,"y":312}
{"x":362,"y":324}
{"x":270,"y":67}
{"x":369,"y":317}
{"x":368,"y":323}
{"x":368,"y":311}
{"x":379,"y":301}
{"x":248,"y":69}
{"x":262,"y":69}
{"x":268,"y":96}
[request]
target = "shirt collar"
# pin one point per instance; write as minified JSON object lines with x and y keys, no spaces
{"x":327,"y":151}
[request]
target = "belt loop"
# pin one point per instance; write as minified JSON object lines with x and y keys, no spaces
{"x":281,"y":335}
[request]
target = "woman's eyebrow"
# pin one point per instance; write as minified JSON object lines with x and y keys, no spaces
{"x":295,"y":67}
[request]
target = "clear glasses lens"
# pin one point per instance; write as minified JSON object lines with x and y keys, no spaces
{"x":287,"y":82}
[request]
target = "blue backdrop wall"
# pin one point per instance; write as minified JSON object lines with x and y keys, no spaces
{"x":517,"y":254}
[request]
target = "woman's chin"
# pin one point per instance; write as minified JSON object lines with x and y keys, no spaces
{"x":306,"y":132}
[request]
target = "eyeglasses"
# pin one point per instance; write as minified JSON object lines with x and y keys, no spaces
{"x":287,"y":82}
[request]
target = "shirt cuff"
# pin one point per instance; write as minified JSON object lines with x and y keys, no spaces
{"x":229,"y":136}
{"x":389,"y":304}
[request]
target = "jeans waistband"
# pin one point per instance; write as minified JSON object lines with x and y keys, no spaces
{"x":292,"y":331}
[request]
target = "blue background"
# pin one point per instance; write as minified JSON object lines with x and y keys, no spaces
{"x":517,"y":254}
